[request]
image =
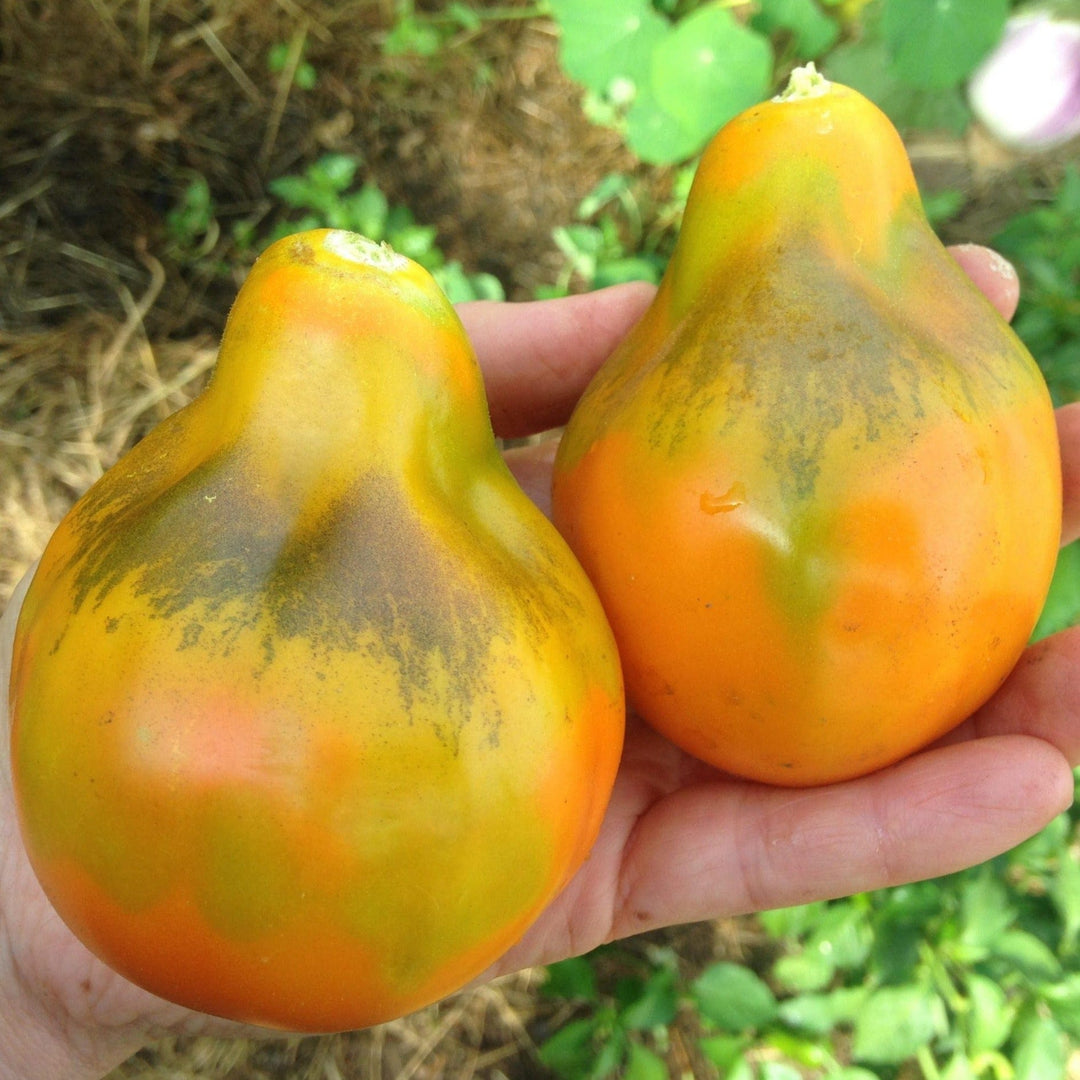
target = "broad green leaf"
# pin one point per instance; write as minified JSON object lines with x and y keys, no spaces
{"x":938,"y":43}
{"x":778,"y":1070}
{"x":654,"y":1002}
{"x":657,"y":137}
{"x":1063,"y":999}
{"x":610,"y":1055}
{"x":412,"y":37}
{"x":820,"y":1013}
{"x":296,"y":191}
{"x":573,"y":979}
{"x":810,"y":1052}
{"x":990,"y":1018}
{"x":733,"y":997}
{"x":805,"y":971}
{"x":843,"y":935}
{"x":643,"y":1064}
{"x":570,"y":1052}
{"x":985,"y":912}
{"x":632,"y":268}
{"x":709,"y":68}
{"x":1065,"y":886}
{"x":896,"y":1022}
{"x":865,"y":65}
{"x":958,"y":1068}
{"x":417,"y":242}
{"x":1027,"y":954}
{"x":704,"y":71}
{"x":792,"y":922}
{"x":807,"y":1012}
{"x":605,"y":40}
{"x":723,"y":1050}
{"x":812,"y":29}
{"x":1040,"y":1051}
{"x":335,"y":172}
{"x":368,"y":209}
{"x":1062,"y":607}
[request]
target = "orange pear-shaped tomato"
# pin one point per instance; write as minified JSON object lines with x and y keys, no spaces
{"x":314,"y":711}
{"x":818,"y":485}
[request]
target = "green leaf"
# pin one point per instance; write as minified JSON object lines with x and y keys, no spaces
{"x":820,"y":1013}
{"x":1062,"y":607}
{"x":793,"y":922}
{"x":1040,"y":1051}
{"x":334,"y":172}
{"x":653,"y":1003}
{"x":417,"y":242}
{"x":958,"y":1068}
{"x":808,"y":1012}
{"x":733,"y":997}
{"x":632,"y":268}
{"x":570,"y":1052}
{"x":708,"y":69}
{"x":643,"y":1064}
{"x":814,"y":32}
{"x":610,"y":1056}
{"x":843,"y":935}
{"x":865,"y":66}
{"x":1065,"y":885}
{"x":412,"y":37}
{"x":655,"y":135}
{"x":295,"y":191}
{"x":990,"y":1018}
{"x":573,"y":979}
{"x":805,"y":971}
{"x":938,"y":43}
{"x":724,"y":1051}
{"x":778,"y":1070}
{"x":896,"y":1022}
{"x":1028,"y":955}
{"x":1063,"y":999}
{"x":985,"y":912}
{"x":368,"y":210}
{"x":811,"y":1053}
{"x":942,"y":206}
{"x":605,"y":40}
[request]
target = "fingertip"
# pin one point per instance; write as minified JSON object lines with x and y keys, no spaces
{"x":994,"y":275}
{"x":1068,"y":421}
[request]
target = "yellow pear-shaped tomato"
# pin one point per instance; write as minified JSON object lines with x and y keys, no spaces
{"x":818,"y":485}
{"x":314,"y":712}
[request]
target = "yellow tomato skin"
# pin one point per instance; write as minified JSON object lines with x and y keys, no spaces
{"x":818,"y":485}
{"x":314,"y":712}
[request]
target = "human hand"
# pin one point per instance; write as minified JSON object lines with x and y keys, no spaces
{"x":731,"y":845}
{"x":734,"y":846}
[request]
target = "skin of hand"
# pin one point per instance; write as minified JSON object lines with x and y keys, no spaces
{"x":732,"y":845}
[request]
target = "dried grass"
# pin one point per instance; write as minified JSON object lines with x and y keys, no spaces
{"x":477,"y":1035}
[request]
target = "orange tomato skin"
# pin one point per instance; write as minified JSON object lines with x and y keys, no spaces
{"x":818,"y":485}
{"x":313,"y":712}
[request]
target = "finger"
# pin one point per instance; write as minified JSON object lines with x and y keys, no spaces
{"x":531,"y":466}
{"x":993,"y":274}
{"x":1040,"y":698}
{"x":737,"y":848}
{"x":1068,"y":421}
{"x":539,"y":355}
